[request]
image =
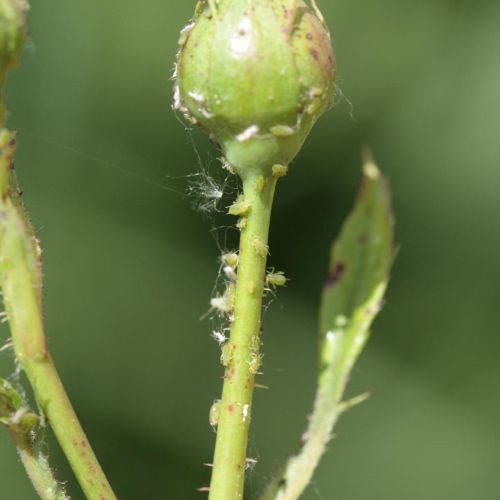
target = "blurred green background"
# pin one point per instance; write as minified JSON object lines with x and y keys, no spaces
{"x":130,"y":266}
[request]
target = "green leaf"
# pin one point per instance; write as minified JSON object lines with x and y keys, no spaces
{"x":10,"y":400}
{"x":360,"y":264}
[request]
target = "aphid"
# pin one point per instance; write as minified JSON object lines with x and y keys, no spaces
{"x":276,"y":279}
{"x":230,"y":273}
{"x":246,"y":411}
{"x":219,"y":337}
{"x":226,"y":354}
{"x":231,"y":259}
{"x":260,"y":247}
{"x":261,"y":183}
{"x":213,"y":416}
{"x":250,"y":463}
{"x":242,"y":223}
{"x":279,"y":170}
{"x":239,"y":207}
{"x":282,"y":130}
{"x":220,"y":304}
{"x":255,"y":363}
{"x":224,"y":303}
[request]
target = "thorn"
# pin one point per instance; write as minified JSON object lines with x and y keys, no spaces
{"x":350,"y":403}
{"x":8,"y":344}
{"x":208,"y":465}
{"x":204,"y":489}
{"x":317,"y":11}
{"x":260,"y":386}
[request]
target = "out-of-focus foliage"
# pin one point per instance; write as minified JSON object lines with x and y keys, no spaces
{"x":129,"y":267}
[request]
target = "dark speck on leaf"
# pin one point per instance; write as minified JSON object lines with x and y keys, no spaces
{"x":335,"y":274}
{"x":363,"y":239}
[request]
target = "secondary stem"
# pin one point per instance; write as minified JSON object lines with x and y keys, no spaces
{"x":21,"y":288}
{"x":242,"y":354}
{"x":56,"y":405}
{"x":38,"y":468}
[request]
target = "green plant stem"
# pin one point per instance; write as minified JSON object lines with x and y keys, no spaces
{"x":242,"y":353}
{"x":20,"y":280}
{"x":328,"y":406}
{"x":56,"y":405}
{"x":351,"y":299}
{"x":50,"y":393}
{"x":37,"y":467}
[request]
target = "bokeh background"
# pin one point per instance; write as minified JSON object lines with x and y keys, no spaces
{"x":130,"y":266}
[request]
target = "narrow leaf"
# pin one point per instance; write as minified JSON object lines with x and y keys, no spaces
{"x":360,"y":265}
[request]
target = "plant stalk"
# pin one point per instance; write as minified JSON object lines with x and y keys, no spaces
{"x":29,"y":344}
{"x":21,"y":282}
{"x":53,"y":400}
{"x":37,"y":467}
{"x":242,"y":353}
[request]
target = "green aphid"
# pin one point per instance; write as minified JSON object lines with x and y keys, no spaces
{"x":231,"y":259}
{"x":239,"y":207}
{"x":282,"y":130}
{"x":276,"y":279}
{"x":255,"y":363}
{"x":261,"y":249}
{"x":227,"y":354}
{"x":279,"y":170}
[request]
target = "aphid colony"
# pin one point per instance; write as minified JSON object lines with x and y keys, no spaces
{"x":224,"y":303}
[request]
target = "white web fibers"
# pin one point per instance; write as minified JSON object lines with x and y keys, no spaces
{"x":343,"y":97}
{"x":205,"y":192}
{"x":209,"y":190}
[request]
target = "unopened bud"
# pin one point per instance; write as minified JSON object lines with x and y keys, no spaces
{"x":256,"y":74}
{"x":12,"y":33}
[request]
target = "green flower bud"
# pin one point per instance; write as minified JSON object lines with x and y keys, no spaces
{"x":256,"y":74}
{"x":12,"y":33}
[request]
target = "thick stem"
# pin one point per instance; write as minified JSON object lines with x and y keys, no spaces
{"x":242,"y":354}
{"x":21,"y":288}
